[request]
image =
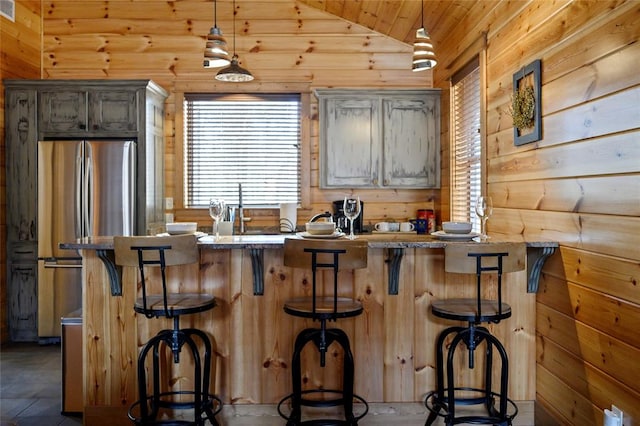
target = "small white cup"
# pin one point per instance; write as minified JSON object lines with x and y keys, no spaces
{"x":225,"y":228}
{"x":407,"y":227}
{"x":394,"y":226}
{"x":382,"y":226}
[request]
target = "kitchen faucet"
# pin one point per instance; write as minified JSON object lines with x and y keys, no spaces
{"x":242,"y":219}
{"x":321,"y":215}
{"x":240,"y":209}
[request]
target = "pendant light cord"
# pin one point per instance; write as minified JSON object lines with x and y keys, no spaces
{"x":234,"y":27}
{"x":421,"y":10}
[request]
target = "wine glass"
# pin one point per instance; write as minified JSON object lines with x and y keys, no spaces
{"x":351,"y":209}
{"x":216,"y":211}
{"x":484,"y":208}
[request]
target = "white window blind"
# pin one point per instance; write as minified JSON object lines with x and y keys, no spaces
{"x":253,"y":140}
{"x":466,"y":146}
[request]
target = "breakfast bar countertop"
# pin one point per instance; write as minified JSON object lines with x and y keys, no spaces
{"x":382,"y":240}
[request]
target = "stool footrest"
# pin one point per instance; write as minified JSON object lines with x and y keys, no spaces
{"x":211,"y":406}
{"x":306,"y":402}
{"x":438,"y":407}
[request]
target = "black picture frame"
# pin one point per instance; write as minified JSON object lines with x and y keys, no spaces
{"x":529,"y":74}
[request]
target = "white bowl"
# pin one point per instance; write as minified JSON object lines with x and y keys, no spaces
{"x":456,"y":227}
{"x":320,"y":228}
{"x":177,"y":228}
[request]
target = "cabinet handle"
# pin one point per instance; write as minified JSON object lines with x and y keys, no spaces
{"x":96,"y":127}
{"x":386,"y":182}
{"x":82,"y":126}
{"x":375,"y":181}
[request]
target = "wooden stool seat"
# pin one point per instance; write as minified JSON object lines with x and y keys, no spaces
{"x":324,"y":306}
{"x":177,"y":304}
{"x":467,"y":310}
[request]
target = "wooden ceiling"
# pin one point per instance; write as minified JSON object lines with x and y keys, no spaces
{"x":399,"y":19}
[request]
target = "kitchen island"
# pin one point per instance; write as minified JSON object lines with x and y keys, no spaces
{"x":393,"y":341}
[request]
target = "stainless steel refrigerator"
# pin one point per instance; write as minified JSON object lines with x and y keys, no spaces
{"x":85,"y":188}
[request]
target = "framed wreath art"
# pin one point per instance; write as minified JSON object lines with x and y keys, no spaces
{"x":525,"y":106}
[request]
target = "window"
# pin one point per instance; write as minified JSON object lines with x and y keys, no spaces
{"x":232,"y":139}
{"x":466,"y":149}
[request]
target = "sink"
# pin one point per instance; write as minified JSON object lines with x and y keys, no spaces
{"x":266,"y":231}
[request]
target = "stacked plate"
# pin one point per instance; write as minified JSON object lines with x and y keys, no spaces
{"x":455,"y":231}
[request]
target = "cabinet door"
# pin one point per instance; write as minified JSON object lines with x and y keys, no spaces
{"x":63,"y":111}
{"x":22,"y":288}
{"x":22,"y":298}
{"x":113,"y":111}
{"x":21,"y":138}
{"x":350,"y":142}
{"x":411,"y":150}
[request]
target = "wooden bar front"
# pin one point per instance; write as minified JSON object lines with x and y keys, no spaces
{"x":393,"y":341}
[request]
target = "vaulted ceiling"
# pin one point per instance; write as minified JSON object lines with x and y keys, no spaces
{"x":399,"y":19}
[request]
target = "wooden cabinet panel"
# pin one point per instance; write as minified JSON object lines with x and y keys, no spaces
{"x":411,"y":149}
{"x":63,"y":111}
{"x":113,"y":111}
{"x":351,"y":143}
{"x":21,"y":166}
{"x":22,"y":291}
{"x":84,"y":110}
{"x":373,"y":139}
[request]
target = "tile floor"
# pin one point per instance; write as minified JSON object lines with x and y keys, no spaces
{"x":30,"y":389}
{"x":30,"y":386}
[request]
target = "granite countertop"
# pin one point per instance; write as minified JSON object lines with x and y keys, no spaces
{"x":382,"y":240}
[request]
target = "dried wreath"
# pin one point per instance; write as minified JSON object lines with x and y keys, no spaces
{"x":523,"y":107}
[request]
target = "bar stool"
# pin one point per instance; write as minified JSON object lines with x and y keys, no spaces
{"x":161,"y":406}
{"x":323,"y":305}
{"x":475,"y":258}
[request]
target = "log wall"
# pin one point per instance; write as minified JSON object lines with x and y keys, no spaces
{"x":580,"y":185}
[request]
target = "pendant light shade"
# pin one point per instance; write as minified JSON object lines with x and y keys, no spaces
{"x":234,"y":72}
{"x":424,"y":58}
{"x":215,"y":51}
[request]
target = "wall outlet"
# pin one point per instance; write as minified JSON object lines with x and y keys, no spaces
{"x":168,"y":217}
{"x":618,"y":412}
{"x":168,"y":203}
{"x":613,"y":417}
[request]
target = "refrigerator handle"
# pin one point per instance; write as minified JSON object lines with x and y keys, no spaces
{"x":88,"y":195}
{"x":79,"y":177}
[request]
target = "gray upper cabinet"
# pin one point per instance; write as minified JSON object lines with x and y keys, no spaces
{"x":70,"y":111}
{"x":379,"y":138}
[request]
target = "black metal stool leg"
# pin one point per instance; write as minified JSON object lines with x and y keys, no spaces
{"x":322,"y":338}
{"x":202,"y":403}
{"x":348,"y":373}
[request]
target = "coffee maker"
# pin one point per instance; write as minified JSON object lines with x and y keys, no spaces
{"x":341,"y":220}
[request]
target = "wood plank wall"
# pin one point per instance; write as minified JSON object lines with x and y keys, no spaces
{"x":580,"y":185}
{"x":20,"y":54}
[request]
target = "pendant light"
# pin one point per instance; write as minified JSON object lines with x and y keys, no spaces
{"x":215,"y":52}
{"x":234,"y":72}
{"x":424,"y":57}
